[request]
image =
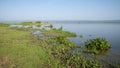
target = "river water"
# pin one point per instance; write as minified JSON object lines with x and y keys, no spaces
{"x":89,"y":30}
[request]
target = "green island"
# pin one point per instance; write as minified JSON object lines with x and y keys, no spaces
{"x":19,"y":48}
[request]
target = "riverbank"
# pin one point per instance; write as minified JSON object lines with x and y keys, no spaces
{"x":21,"y":49}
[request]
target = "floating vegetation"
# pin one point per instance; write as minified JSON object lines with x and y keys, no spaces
{"x":81,"y":36}
{"x":78,"y":61}
{"x":60,"y":48}
{"x":97,"y":45}
{"x":90,"y":35}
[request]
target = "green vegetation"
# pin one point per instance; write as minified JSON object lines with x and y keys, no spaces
{"x":97,"y":45}
{"x":38,"y":23}
{"x":81,"y":36}
{"x":20,"y":49}
{"x":27,"y":23}
{"x":51,"y":26}
{"x":78,"y":61}
{"x":116,"y":65}
{"x":90,"y":35}
{"x":61,"y":44}
{"x":59,"y":48}
{"x":58,"y":32}
{"x":4,"y":25}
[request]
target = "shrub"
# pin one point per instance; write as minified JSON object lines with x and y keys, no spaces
{"x":38,"y":23}
{"x":51,"y":26}
{"x":97,"y":45}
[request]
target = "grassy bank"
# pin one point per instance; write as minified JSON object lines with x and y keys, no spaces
{"x":20,"y":49}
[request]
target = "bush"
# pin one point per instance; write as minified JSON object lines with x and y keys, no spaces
{"x":97,"y":45}
{"x":38,"y":23}
{"x":51,"y":26}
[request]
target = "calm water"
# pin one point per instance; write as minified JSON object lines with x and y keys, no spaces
{"x":89,"y":30}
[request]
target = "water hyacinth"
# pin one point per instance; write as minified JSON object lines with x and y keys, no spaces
{"x":97,"y":45}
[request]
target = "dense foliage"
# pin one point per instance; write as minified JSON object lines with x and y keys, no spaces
{"x":97,"y":45}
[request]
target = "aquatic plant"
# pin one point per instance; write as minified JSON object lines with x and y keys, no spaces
{"x":97,"y":45}
{"x":76,"y":60}
{"x":90,"y":35}
{"x":81,"y":36}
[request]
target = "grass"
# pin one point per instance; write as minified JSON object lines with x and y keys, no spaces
{"x":58,"y":32}
{"x":27,"y":23}
{"x":4,"y":25}
{"x":97,"y":45}
{"x":19,"y":49}
{"x":38,"y":23}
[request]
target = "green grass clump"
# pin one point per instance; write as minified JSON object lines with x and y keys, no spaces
{"x":27,"y":23}
{"x":20,"y":49}
{"x":4,"y":25}
{"x":61,"y":44}
{"x":38,"y":23}
{"x":58,"y":32}
{"x":97,"y":45}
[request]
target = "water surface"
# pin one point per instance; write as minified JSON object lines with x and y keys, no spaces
{"x":89,"y":30}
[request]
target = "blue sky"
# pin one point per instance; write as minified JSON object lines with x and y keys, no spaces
{"x":12,"y":10}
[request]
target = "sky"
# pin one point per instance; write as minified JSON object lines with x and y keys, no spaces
{"x":13,"y":10}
